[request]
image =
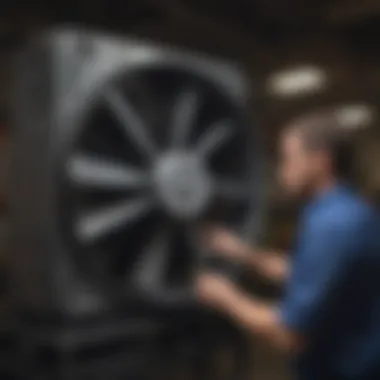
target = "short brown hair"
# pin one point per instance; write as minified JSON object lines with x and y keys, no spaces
{"x":323,"y":130}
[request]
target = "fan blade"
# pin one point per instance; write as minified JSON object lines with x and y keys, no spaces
{"x":232,"y":190}
{"x":152,"y":266}
{"x":134,"y":126}
{"x":94,"y":172}
{"x":214,"y":137}
{"x":98,"y":224}
{"x":183,"y":118}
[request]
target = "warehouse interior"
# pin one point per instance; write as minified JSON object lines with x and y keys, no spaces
{"x":298,"y":56}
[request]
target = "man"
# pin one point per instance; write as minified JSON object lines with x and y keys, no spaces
{"x":330,"y":316}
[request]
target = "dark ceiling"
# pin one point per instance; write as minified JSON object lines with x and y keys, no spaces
{"x":341,"y":36}
{"x":270,"y":21}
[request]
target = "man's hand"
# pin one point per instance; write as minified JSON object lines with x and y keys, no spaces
{"x":225,"y":243}
{"x":215,"y":291}
{"x":273,"y":266}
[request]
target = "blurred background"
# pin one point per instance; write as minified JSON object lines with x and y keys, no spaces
{"x":299,"y":55}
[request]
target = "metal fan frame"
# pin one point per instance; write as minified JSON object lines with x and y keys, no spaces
{"x":80,"y":115}
{"x":73,"y":66}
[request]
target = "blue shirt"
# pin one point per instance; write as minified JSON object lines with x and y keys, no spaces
{"x":333,"y":295}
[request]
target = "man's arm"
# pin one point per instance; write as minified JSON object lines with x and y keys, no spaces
{"x":259,"y":318}
{"x":264,"y":321}
{"x":269,"y":264}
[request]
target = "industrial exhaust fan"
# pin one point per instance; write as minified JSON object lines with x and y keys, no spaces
{"x":122,"y":151}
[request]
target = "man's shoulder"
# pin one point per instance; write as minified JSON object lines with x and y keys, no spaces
{"x":349,"y":211}
{"x":346,"y":225}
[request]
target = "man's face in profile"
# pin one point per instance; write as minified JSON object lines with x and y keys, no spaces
{"x":298,"y":166}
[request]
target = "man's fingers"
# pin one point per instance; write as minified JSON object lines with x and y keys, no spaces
{"x":211,"y":235}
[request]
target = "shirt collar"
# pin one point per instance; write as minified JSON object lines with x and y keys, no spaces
{"x":329,"y":194}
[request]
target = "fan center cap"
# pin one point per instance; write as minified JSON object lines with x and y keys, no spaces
{"x":183,"y":184}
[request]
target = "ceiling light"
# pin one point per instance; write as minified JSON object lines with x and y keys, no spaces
{"x":355,"y":116}
{"x":297,"y":81}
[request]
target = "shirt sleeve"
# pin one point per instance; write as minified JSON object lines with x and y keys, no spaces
{"x":319,"y":274}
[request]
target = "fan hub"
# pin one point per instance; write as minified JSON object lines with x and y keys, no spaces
{"x":183,"y":184}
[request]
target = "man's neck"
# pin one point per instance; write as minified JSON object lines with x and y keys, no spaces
{"x":325,"y":186}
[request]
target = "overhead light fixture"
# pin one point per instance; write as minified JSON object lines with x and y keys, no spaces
{"x":297,"y":81}
{"x":355,"y":115}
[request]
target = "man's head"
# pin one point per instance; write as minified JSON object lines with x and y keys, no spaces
{"x":316,"y":150}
